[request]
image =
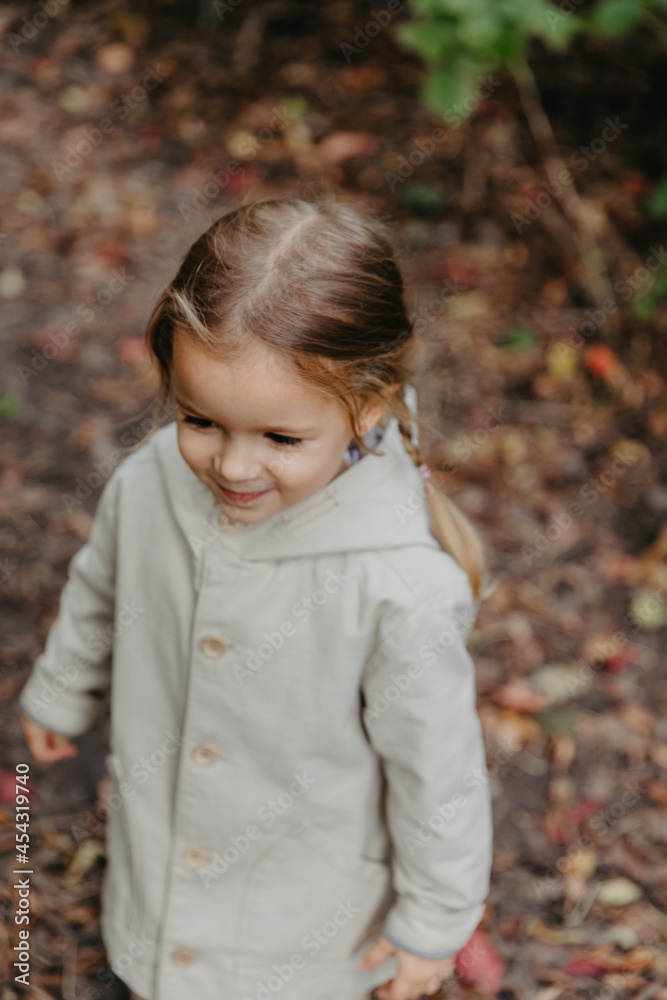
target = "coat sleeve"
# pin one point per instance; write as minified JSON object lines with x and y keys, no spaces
{"x":70,"y":679}
{"x":421,"y":719}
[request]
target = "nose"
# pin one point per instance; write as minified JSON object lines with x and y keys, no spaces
{"x":236,"y":466}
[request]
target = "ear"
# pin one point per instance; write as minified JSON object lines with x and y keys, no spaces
{"x":373,"y":410}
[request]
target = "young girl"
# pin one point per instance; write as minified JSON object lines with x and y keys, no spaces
{"x":278,"y":600}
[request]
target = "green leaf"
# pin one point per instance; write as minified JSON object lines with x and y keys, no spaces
{"x":644,"y":307}
{"x":430,"y":40}
{"x":511,"y":45}
{"x":616,"y":17}
{"x":461,"y":8}
{"x":656,"y":203}
{"x":422,"y":197}
{"x":10,"y":405}
{"x":558,"y":720}
{"x":526,"y":16}
{"x":296,"y":106}
{"x":645,"y":303}
{"x":446,"y":89}
{"x":430,"y":8}
{"x":561,"y":28}
{"x":519,"y":338}
{"x":481,"y":32}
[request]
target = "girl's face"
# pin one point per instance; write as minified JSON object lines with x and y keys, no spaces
{"x":256,"y":436}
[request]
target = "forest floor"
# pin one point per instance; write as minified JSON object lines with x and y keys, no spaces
{"x":548,"y":415}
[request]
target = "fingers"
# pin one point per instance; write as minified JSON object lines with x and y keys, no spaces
{"x":403,"y":987}
{"x":415,"y":978}
{"x":46,"y":746}
{"x":60,"y":747}
{"x":380,"y":951}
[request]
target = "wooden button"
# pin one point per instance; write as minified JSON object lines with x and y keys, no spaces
{"x":182,"y":956}
{"x":213,"y":646}
{"x":195,"y":856}
{"x":205,"y":753}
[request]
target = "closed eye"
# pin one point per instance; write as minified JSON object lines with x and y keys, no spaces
{"x":280,"y":439}
{"x":198,"y":421}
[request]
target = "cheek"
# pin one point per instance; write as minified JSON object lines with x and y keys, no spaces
{"x":286,"y":467}
{"x":296,"y":471}
{"x":194,"y":448}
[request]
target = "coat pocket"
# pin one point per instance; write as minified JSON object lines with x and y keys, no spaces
{"x":307,"y":901}
{"x":121,"y":892}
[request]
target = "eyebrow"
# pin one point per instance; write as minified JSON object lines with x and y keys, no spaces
{"x":275,"y":430}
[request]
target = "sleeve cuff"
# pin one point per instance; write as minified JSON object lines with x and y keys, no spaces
{"x":413,"y":951}
{"x":430,"y":934}
{"x":70,"y":714}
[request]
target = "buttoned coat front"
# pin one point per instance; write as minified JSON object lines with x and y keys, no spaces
{"x":297,"y":763}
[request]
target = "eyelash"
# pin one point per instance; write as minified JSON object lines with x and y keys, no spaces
{"x":286,"y":442}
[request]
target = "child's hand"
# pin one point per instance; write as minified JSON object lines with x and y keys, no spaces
{"x":416,"y":976}
{"x":45,"y":745}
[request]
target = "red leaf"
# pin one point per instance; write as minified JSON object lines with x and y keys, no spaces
{"x":110,"y":253}
{"x":243,"y":181}
{"x":339,"y":146}
{"x":133,"y":350}
{"x":557,"y":835}
{"x":151,"y":134}
{"x":479,"y":964}
{"x":459,"y":271}
{"x":526,"y":193}
{"x":518,"y":695}
{"x":56,"y":345}
{"x":601,"y":360}
{"x":621,"y":661}
{"x":582,"y":811}
{"x":634,"y":182}
{"x":8,"y":788}
{"x":584,"y":967}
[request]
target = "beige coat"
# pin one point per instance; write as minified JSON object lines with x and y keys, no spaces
{"x":296,"y":758}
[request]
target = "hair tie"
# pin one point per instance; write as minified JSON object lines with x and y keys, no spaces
{"x":424,"y":471}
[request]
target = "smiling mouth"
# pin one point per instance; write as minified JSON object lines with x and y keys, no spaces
{"x":236,"y":497}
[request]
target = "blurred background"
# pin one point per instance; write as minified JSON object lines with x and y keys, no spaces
{"x":519,"y":146}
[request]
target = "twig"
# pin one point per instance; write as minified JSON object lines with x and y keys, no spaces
{"x":594,"y":276}
{"x":651,"y":989}
{"x":69,"y":966}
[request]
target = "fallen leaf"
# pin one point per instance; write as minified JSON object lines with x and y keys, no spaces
{"x":657,"y":792}
{"x":618,"y":892}
{"x":459,"y":271}
{"x":84,"y":858}
{"x":600,"y":360}
{"x":12,"y":282}
{"x":584,"y":967}
{"x":479,"y":964}
{"x":133,"y":350}
{"x":519,"y":696}
{"x":562,"y":362}
{"x":583,"y":811}
{"x":560,"y":683}
{"x":658,"y":754}
{"x":646,"y":610}
{"x":10,"y":788}
{"x":116,"y":58}
{"x":339,"y":146}
{"x":557,"y":935}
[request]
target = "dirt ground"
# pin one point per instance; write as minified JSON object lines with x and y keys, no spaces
{"x":548,"y":418}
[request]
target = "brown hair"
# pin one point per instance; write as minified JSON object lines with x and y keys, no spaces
{"x":317,"y":283}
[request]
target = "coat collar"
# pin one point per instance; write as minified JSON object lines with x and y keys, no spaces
{"x":376,"y":503}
